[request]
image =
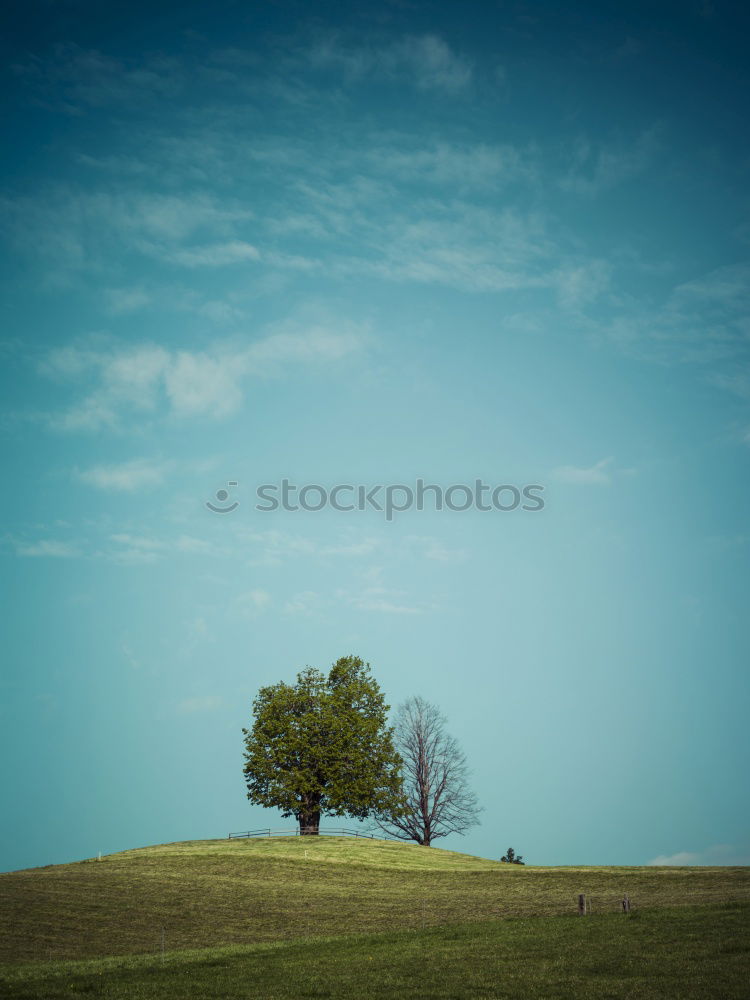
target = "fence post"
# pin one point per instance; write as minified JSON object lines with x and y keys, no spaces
{"x":581,"y":904}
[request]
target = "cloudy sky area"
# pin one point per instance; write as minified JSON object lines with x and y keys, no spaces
{"x":364,"y":244}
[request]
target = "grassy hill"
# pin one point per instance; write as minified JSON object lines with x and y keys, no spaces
{"x":240,"y":901}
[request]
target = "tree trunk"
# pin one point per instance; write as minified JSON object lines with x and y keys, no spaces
{"x":309,"y":819}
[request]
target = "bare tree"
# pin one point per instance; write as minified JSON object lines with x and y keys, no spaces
{"x":434,"y":776}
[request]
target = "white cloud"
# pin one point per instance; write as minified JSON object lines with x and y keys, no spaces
{"x":253,"y":602}
{"x":599,"y":474}
{"x":364,"y":547}
{"x":292,"y":344}
{"x":480,"y":165}
{"x":425,"y":61}
{"x":129,"y":656}
{"x":433,"y":548}
{"x":127,"y":476}
{"x":678,"y":859}
{"x":596,"y":169}
{"x":271,"y":548}
{"x":198,"y":627}
{"x":434,"y":237}
{"x":704,"y":321}
{"x":219,"y":312}
{"x":377,"y":600}
{"x":369,"y":595}
{"x":126,"y":300}
{"x":200,"y":385}
{"x":135,"y":549}
{"x":128,"y":378}
{"x":431,"y":62}
{"x":142,"y":378}
{"x":384,"y":601}
{"x":372,"y":223}
{"x":132,"y":549}
{"x":198,"y":546}
{"x":305,"y":603}
{"x":74,"y":78}
{"x":121,"y":547}
{"x":83,"y":232}
{"x":375,"y":596}
{"x":47,"y":548}
{"x":447,"y":241}
{"x":718,"y":854}
{"x":215,"y":255}
{"x":580,"y":284}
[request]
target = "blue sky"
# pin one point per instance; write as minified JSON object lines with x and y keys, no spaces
{"x":354,"y":244}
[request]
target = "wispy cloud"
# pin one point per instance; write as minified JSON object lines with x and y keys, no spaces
{"x":375,"y":595}
{"x":384,"y":600}
{"x":703,"y":322}
{"x":368,"y":592}
{"x":463,"y":166}
{"x":596,"y":168}
{"x":47,"y":548}
{"x":126,"y":476}
{"x":120,"y":301}
{"x":78,"y":230}
{"x":446,"y":241}
{"x":145,"y":379}
{"x":75,"y":78}
{"x":252,"y":603}
{"x":272,"y":548}
{"x":372,"y":599}
{"x":135,"y":549}
{"x":215,"y":255}
{"x":195,"y":546}
{"x":426,"y":61}
{"x":432,"y":548}
{"x":599,"y":474}
{"x":129,"y":549}
{"x":307,"y":603}
{"x":718,"y":854}
{"x":387,"y":206}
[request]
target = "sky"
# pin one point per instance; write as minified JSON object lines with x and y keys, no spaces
{"x":358,"y":244}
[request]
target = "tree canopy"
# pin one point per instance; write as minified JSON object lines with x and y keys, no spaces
{"x":322,"y":746}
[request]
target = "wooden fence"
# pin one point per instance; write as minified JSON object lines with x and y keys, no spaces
{"x":327,"y":832}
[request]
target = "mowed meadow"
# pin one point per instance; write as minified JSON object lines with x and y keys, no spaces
{"x":254,"y":917}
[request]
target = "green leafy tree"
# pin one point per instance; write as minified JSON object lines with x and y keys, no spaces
{"x":322,"y":746}
{"x":512,"y":859}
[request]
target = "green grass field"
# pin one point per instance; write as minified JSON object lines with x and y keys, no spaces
{"x":335,"y":917}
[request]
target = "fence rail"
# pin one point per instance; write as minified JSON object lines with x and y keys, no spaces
{"x":327,"y":832}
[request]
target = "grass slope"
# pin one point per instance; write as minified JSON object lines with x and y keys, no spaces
{"x":686,"y":953}
{"x":342,"y":918}
{"x":209,"y":894}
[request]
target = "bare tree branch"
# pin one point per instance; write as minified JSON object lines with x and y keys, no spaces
{"x":436,"y":798}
